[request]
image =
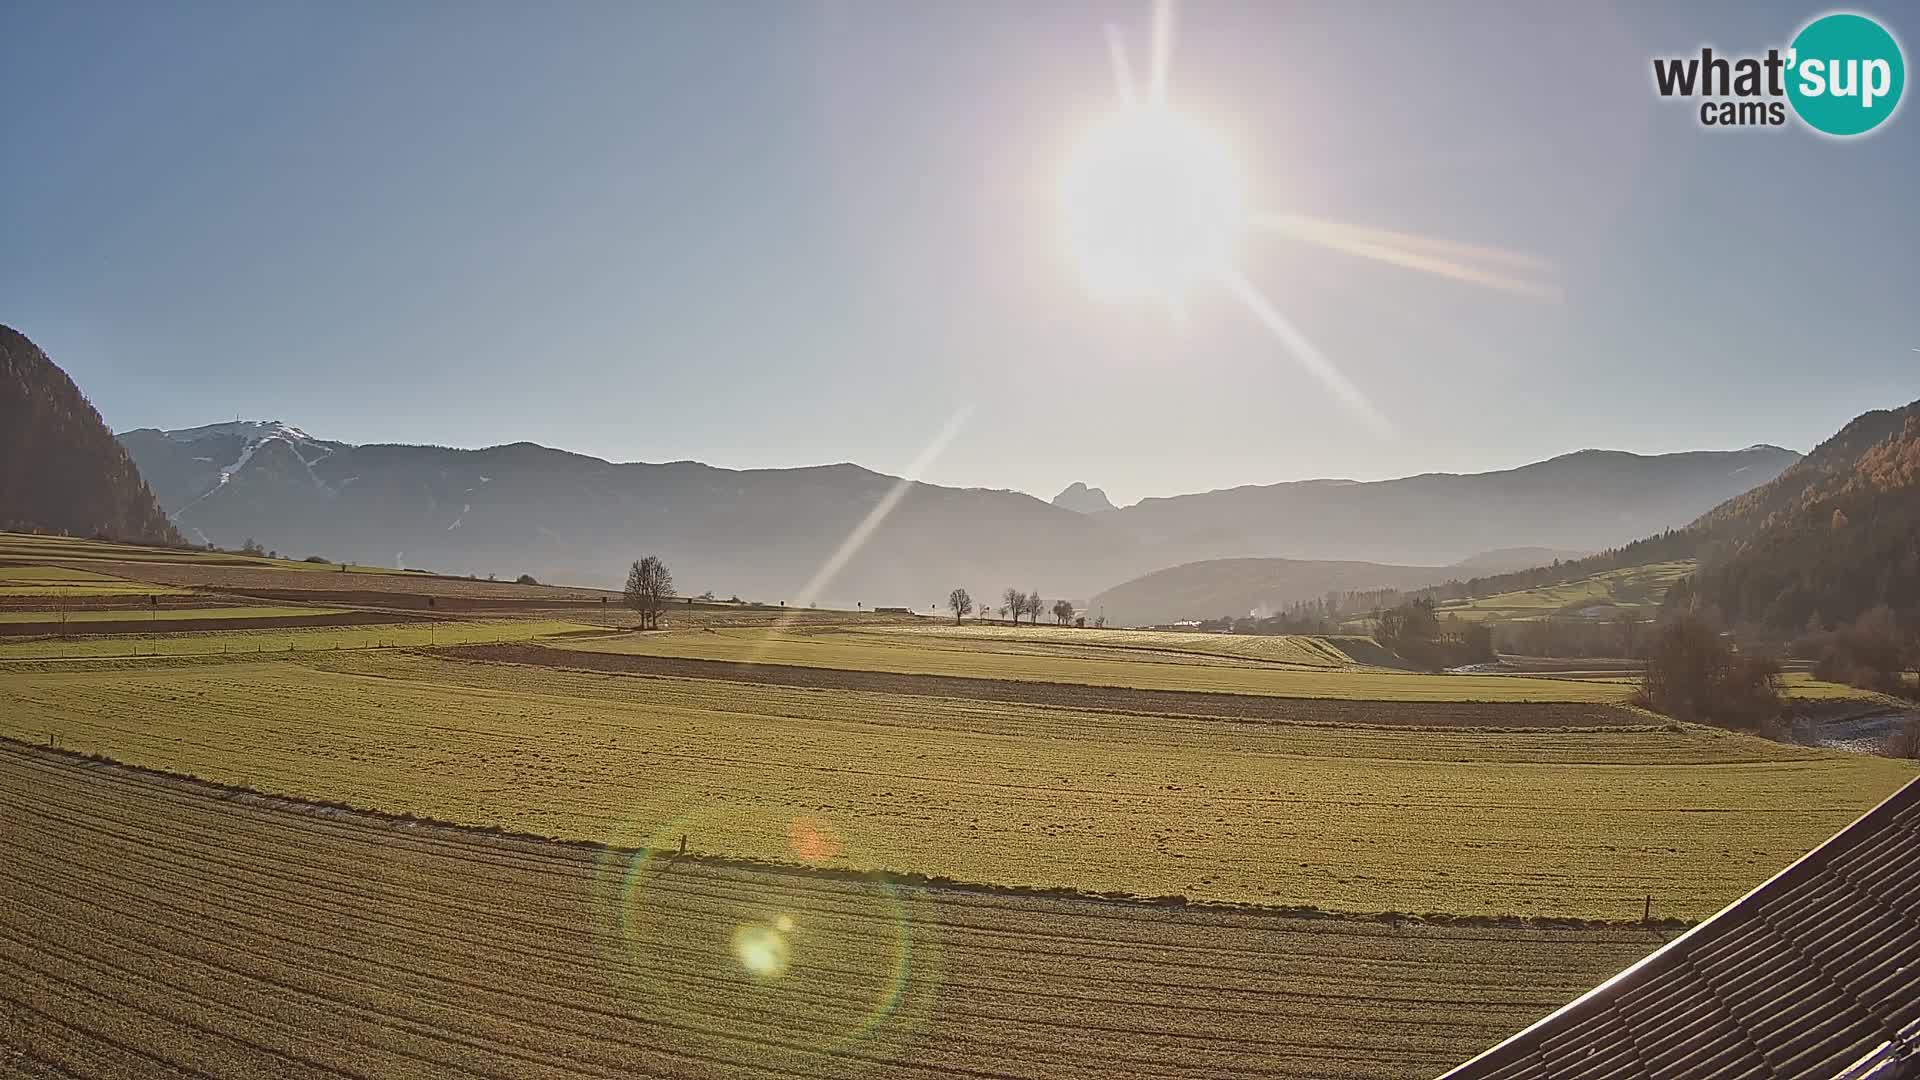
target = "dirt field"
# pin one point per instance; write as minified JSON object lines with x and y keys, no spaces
{"x":152,"y":927}
{"x":1499,"y":714}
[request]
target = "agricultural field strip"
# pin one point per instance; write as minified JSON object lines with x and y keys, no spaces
{"x":567,"y":977}
{"x":1283,"y":652}
{"x":1348,"y":714}
{"x":331,"y":883}
{"x":408,"y":634}
{"x":232,"y":738}
{"x":142,"y":614}
{"x":820,"y":650}
{"x":1638,"y":746}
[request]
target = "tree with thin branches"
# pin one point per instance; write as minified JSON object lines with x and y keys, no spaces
{"x":1035,"y":606}
{"x":960,"y":602}
{"x":1014,"y":604}
{"x":649,"y":587}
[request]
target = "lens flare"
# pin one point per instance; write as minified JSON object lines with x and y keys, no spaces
{"x":762,"y":950}
{"x":812,"y":840}
{"x":1474,"y":264}
{"x":834,"y":962}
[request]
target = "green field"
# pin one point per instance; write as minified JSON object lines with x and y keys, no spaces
{"x":1470,"y":821}
{"x":1282,"y":650}
{"x":1638,"y":589}
{"x":141,"y":614}
{"x":145,"y":912}
{"x":1072,"y":822}
{"x":56,"y":582}
{"x":914,"y":651}
{"x":295,"y":639}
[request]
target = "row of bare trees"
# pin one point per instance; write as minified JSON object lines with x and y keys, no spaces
{"x":1014,"y":604}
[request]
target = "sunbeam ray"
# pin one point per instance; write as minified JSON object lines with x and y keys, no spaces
{"x":1304,"y":351}
{"x":858,"y":537}
{"x":1163,"y":21}
{"x":1442,"y":258}
{"x":1122,"y":68}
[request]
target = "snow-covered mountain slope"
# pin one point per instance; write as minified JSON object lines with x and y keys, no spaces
{"x":188,"y":465}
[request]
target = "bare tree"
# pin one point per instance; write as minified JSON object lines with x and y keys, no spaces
{"x":960,"y":603}
{"x":1014,"y":603}
{"x":1035,"y":606}
{"x":649,"y":587}
{"x":1062,"y":612}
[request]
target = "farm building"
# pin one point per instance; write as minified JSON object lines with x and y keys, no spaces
{"x":1816,"y":973}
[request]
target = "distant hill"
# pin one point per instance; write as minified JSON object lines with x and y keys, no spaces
{"x":1239,"y":587}
{"x":767,"y":533}
{"x":60,"y":468}
{"x":1585,"y":501}
{"x":1501,"y":560}
{"x":1082,"y":499}
{"x":1834,"y":535}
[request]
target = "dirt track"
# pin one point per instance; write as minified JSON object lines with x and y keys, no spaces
{"x":1251,"y":707}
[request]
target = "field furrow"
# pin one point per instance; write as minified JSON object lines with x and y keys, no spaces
{"x":331,"y":943}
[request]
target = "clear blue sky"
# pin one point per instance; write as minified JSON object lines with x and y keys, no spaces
{"x":788,"y":233}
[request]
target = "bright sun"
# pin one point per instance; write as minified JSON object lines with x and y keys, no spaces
{"x":1152,"y":205}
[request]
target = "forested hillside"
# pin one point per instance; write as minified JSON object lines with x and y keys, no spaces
{"x":1830,"y":538}
{"x":61,"y":470}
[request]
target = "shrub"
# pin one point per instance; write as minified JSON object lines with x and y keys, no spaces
{"x":1905,"y":743}
{"x":1693,"y":673}
{"x":316,"y":559}
{"x":525,"y":579}
{"x":1868,"y":652}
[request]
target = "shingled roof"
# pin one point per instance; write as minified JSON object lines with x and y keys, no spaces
{"x":1816,"y":973}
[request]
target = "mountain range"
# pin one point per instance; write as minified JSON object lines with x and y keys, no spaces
{"x":817,"y":534}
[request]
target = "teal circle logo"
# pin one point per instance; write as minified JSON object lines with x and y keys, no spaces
{"x":1845,"y":74}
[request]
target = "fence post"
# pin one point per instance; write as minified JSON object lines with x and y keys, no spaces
{"x":1646,"y":913}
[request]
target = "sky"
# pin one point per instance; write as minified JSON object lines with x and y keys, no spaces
{"x":780,"y":234}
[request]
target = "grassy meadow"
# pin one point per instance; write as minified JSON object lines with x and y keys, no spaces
{"x":162,"y":913}
{"x":1638,"y":589}
{"x":1470,"y":821}
{"x":914,"y":845}
{"x":1004,"y":653}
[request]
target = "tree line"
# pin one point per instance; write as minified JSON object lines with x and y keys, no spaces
{"x":1015,"y":603}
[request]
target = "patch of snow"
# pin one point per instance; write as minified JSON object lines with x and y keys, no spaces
{"x":484,"y":479}
{"x":208,"y":460}
{"x":464,"y":507}
{"x":247,"y":429}
{"x":246,"y":455}
{"x":1740,"y":470}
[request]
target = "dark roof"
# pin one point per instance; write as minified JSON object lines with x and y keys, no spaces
{"x":1816,"y":973}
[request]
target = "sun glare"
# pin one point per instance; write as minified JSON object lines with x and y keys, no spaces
{"x":1152,"y":205}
